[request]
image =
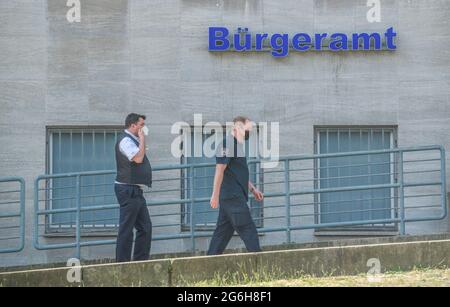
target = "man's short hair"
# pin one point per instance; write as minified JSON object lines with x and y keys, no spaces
{"x":240,"y":119}
{"x":133,"y":118}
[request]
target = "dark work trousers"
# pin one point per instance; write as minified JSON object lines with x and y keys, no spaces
{"x":234,"y":215}
{"x":133,"y":214}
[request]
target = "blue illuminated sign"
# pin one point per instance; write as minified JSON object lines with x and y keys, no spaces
{"x":280,"y":44}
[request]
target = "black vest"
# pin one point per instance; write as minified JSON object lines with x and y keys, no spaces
{"x":131,"y":172}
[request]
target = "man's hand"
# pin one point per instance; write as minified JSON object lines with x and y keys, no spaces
{"x":141,"y":135}
{"x":218,"y":178}
{"x":259,"y":196}
{"x":139,"y":157}
{"x":214,"y":202}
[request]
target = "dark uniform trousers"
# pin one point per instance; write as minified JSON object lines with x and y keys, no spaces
{"x":133,"y":214}
{"x":234,"y":215}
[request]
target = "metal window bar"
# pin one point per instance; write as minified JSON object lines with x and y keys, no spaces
{"x":91,"y":137}
{"x":341,"y":133}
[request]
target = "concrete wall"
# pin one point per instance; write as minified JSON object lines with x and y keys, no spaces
{"x":242,"y":268}
{"x":151,"y":57}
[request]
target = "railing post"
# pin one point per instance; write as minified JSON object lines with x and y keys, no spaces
{"x":22,"y":213}
{"x":36,"y":213}
{"x":402,"y":195}
{"x":443,"y":183}
{"x":287,"y":191}
{"x":78,"y":216}
{"x":191,"y":198}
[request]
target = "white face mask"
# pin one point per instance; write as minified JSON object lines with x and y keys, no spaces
{"x":145,"y":130}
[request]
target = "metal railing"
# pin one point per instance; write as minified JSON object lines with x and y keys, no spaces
{"x":378,"y":189}
{"x":12,"y":214}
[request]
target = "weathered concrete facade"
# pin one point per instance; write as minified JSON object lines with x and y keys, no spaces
{"x":151,"y":57}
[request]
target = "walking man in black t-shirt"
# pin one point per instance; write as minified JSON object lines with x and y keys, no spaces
{"x":230,"y":191}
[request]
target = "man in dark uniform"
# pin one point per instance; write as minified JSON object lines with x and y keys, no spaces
{"x":230,"y":191}
{"x":133,"y":173}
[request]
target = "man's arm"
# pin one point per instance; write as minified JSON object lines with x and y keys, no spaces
{"x":139,"y":157}
{"x":257,"y":193}
{"x":218,"y":178}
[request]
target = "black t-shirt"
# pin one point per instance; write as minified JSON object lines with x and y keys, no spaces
{"x":236,"y":175}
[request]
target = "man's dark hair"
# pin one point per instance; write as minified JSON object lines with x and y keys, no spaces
{"x":133,"y":118}
{"x":240,"y":119}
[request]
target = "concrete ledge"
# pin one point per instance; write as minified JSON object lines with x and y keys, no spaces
{"x":352,"y":260}
{"x":130,"y":274}
{"x":343,"y":241}
{"x":36,"y":278}
{"x":341,"y":260}
{"x":234,"y":266}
